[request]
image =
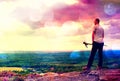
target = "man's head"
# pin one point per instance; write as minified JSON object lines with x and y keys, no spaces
{"x":97,"y":21}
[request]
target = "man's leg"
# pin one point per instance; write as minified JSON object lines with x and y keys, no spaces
{"x":92,"y":55}
{"x":100,"y":53}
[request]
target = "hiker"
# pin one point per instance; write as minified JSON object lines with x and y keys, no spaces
{"x":97,"y":45}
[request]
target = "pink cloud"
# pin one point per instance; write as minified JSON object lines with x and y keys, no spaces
{"x":113,"y":30}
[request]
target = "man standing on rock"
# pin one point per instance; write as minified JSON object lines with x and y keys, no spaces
{"x":97,"y":45}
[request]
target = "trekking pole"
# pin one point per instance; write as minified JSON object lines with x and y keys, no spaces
{"x":86,"y":44}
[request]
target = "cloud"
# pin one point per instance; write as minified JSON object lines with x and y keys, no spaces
{"x":116,"y":36}
{"x":31,"y":12}
{"x":113,"y":30}
{"x":75,"y":13}
{"x":68,"y":29}
{"x":112,"y":1}
{"x":35,"y":10}
{"x":71,"y":28}
{"x":88,"y":1}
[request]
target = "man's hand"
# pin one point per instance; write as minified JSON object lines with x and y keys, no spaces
{"x":86,"y":44}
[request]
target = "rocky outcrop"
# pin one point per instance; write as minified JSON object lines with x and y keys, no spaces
{"x":110,"y":75}
{"x":94,"y":75}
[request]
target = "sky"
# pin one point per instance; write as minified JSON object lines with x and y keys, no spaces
{"x":57,"y":25}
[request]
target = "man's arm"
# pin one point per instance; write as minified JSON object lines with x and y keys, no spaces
{"x":93,"y":33}
{"x":92,"y":36}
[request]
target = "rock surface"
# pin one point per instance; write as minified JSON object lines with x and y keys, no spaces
{"x":94,"y":75}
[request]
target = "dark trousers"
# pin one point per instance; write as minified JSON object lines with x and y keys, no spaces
{"x":96,"y":47}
